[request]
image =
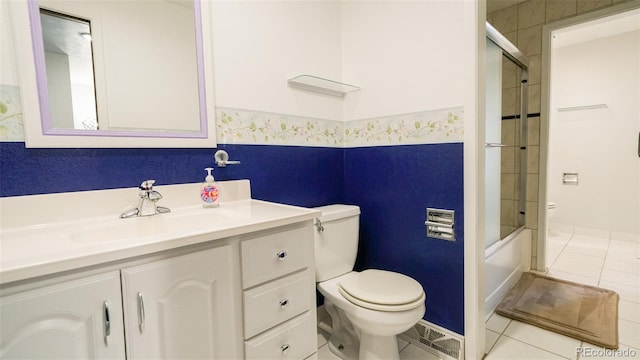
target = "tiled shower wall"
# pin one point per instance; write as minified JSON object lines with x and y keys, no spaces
{"x":522,"y":25}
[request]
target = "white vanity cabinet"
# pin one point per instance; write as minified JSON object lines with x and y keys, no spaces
{"x":229,"y":283}
{"x":278,"y":280}
{"x":78,"y":319}
{"x":182,"y":307}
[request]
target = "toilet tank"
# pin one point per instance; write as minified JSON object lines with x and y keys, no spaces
{"x":336,"y":240}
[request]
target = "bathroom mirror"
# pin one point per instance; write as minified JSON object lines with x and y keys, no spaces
{"x":151,"y":68}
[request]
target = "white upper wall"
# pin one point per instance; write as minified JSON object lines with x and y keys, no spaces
{"x":8,"y":71}
{"x":258,"y":45}
{"x":406,"y":56}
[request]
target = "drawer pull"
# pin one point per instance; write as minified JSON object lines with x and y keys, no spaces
{"x":285,"y":349}
{"x":281,"y":255}
{"x":284,"y":303}
{"x":107,"y":320}
{"x":141,"y":316}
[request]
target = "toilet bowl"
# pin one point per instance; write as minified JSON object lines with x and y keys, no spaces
{"x":369,"y":308}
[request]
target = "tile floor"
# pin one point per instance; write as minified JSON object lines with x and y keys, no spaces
{"x":597,"y":258}
{"x":607,"y":260}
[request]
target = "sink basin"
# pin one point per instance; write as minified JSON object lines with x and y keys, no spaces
{"x":114,"y":231}
{"x":140,"y":227}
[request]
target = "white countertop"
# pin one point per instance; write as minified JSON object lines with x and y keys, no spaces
{"x":32,"y":250}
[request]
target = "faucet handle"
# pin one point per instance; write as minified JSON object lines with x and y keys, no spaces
{"x":147,"y":185}
{"x":154,"y":195}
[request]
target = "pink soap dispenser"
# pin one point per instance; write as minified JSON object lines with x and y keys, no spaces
{"x":209,"y":192}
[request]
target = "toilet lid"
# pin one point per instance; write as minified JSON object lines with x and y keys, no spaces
{"x":382,"y":290}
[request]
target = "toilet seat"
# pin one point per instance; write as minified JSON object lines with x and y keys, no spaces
{"x":382,"y":290}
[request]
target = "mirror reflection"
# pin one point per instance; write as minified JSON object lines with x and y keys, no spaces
{"x":138,"y":72}
{"x":69,"y":63}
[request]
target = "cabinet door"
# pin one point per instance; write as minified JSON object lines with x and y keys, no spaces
{"x":79,"y":319}
{"x":182,"y":307}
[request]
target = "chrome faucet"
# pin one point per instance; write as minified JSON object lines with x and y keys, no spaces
{"x":147,"y":202}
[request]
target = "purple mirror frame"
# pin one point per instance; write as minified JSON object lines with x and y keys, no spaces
{"x":45,"y":109}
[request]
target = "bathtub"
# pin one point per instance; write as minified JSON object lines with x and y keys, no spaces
{"x":505,"y":261}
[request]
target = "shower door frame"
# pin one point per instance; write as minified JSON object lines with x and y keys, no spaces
{"x":515,"y":55}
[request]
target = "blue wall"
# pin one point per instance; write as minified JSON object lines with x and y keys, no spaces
{"x":303,"y":176}
{"x":393,"y":185}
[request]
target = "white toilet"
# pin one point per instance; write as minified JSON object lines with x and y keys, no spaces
{"x":369,"y":308}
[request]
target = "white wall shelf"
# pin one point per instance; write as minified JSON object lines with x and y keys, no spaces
{"x":320,"y":85}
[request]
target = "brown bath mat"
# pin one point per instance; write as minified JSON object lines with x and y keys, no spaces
{"x":583,"y":312}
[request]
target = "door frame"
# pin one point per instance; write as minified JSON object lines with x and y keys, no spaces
{"x":545,"y":90}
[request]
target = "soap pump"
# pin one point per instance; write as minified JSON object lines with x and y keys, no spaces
{"x":209,"y":192}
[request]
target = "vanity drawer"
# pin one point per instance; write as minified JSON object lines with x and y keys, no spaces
{"x":277,"y":301}
{"x":295,"y":339}
{"x":277,"y":254}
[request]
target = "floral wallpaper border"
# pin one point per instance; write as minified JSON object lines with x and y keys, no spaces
{"x":425,"y":127}
{"x":11,"y":123}
{"x":236,"y":126}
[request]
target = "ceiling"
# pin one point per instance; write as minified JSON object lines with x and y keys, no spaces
{"x":61,"y":34}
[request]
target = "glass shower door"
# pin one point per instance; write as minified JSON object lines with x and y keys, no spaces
{"x":505,"y":139}
{"x":493,"y":145}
